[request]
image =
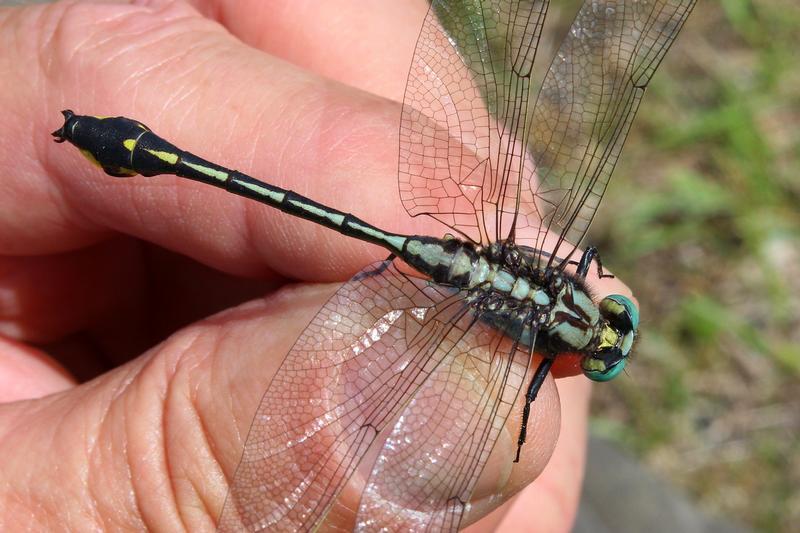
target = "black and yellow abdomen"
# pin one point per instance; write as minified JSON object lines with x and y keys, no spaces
{"x":123,"y":147}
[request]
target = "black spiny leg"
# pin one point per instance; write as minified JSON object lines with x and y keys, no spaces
{"x":530,"y":396}
{"x":591,"y":254}
{"x":378,"y":270}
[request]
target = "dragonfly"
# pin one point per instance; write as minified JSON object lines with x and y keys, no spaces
{"x":422,"y":356}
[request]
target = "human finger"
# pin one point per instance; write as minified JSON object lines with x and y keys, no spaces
{"x":366,"y":45}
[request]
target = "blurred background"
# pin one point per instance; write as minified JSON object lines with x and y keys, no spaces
{"x":702,"y":221}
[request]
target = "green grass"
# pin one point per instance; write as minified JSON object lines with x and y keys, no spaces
{"x":702,"y":220}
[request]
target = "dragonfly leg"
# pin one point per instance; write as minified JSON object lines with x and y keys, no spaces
{"x":530,"y":396}
{"x":377,"y":270}
{"x":591,"y":254}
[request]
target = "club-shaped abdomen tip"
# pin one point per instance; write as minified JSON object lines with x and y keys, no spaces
{"x":61,"y":133}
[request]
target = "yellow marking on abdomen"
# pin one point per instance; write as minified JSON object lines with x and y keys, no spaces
{"x":208,"y":171}
{"x":88,"y":155}
{"x":128,"y":171}
{"x":272,"y":195}
{"x":167,"y":157}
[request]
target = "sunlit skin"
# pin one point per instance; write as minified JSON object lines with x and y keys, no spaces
{"x":153,"y":441}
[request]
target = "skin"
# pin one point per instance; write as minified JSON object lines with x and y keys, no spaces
{"x":123,"y":407}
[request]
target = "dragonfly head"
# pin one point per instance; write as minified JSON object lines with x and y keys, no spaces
{"x":621,"y":320}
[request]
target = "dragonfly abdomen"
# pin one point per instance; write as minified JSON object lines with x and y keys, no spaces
{"x":123,"y":147}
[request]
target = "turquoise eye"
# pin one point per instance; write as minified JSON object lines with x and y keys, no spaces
{"x":617,"y":304}
{"x":604,"y":375}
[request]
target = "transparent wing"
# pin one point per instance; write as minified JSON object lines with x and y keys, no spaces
{"x":426,"y":472}
{"x":483,"y":153}
{"x":354,"y":368}
{"x":465,"y":106}
{"x":586,"y":105}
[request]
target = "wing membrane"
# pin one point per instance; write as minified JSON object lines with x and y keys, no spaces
{"x":483,"y":154}
{"x":429,"y":465}
{"x":357,"y":364}
{"x":587,"y":103}
{"x":465,"y":107}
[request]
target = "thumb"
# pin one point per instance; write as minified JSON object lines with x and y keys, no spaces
{"x":149,"y":444}
{"x":155,"y":443}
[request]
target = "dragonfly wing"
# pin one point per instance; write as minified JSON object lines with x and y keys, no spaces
{"x":586,"y":105}
{"x":427,"y":470}
{"x":353,"y":369}
{"x":465,"y":107}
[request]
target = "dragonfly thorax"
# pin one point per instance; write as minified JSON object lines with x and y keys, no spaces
{"x":531,"y":301}
{"x":510,"y":290}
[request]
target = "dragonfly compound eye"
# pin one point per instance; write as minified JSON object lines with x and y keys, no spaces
{"x":609,"y":361}
{"x":604,"y":366}
{"x":620,"y":312}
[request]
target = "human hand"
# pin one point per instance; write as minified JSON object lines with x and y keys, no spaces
{"x":154,"y":442}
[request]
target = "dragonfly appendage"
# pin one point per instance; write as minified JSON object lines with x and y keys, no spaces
{"x":124,"y":147}
{"x":519,"y":296}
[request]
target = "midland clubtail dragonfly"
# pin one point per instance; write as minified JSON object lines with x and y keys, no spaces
{"x":436,"y":354}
